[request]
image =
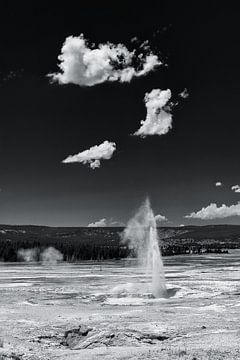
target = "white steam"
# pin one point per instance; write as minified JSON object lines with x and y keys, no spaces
{"x":27,"y":255}
{"x":48,"y":256}
{"x":51,"y":256}
{"x":141,"y":236}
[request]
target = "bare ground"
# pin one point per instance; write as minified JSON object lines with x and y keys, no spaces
{"x":198,"y":329}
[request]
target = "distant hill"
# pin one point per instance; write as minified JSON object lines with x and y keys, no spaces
{"x":105,"y":242}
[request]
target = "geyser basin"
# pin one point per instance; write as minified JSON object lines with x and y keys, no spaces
{"x":141,"y":237}
{"x":140,"y":293}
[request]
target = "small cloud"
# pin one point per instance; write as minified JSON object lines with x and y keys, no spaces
{"x":145,"y":45}
{"x":116,"y":223}
{"x":99,"y":223}
{"x":184,"y":94}
{"x":160,"y":218}
{"x":11,"y":75}
{"x":236,"y":188}
{"x":85,"y":64}
{"x":159,"y":118}
{"x":181,"y":225}
{"x":213,"y":212}
{"x":218,"y":183}
{"x":134,"y":39}
{"x":95,"y":164}
{"x":104,"y":223}
{"x":93,"y":155}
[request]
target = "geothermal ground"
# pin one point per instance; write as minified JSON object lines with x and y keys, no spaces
{"x":110,"y":313}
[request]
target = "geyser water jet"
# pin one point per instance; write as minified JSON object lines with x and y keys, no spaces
{"x":142,"y":237}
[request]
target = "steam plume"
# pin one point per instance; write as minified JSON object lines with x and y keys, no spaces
{"x":51,"y":256}
{"x":27,"y":255}
{"x":141,"y":236}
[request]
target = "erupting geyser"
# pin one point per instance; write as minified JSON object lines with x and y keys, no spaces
{"x":141,"y":236}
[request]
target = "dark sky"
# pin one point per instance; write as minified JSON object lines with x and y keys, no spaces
{"x":42,"y":123}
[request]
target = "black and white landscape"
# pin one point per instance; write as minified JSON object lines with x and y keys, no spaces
{"x":119,"y":181}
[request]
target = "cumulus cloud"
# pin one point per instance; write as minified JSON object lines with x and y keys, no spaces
{"x":218,"y":183}
{"x":236,"y":188}
{"x":159,"y":118}
{"x":213,"y":212}
{"x":160,"y":218}
{"x":99,"y":223}
{"x":104,"y":222}
{"x":87,"y":65}
{"x":93,"y":155}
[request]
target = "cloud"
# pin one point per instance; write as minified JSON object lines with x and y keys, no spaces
{"x":95,"y":164}
{"x":117,"y":223}
{"x":236,"y":188}
{"x":218,"y":183}
{"x":160,"y":218}
{"x":134,"y":39}
{"x":11,"y":75}
{"x":159,"y":118}
{"x":104,"y":222}
{"x":214,"y":212}
{"x":99,"y":223}
{"x":87,"y":65}
{"x":184,"y":94}
{"x":93,"y":155}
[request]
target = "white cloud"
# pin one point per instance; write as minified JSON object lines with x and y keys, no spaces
{"x":181,"y":225}
{"x":86,"y":65}
{"x":93,"y":155}
{"x":104,"y":222}
{"x":159,"y":118}
{"x":214,"y":212}
{"x":160,"y":218}
{"x":95,"y":164}
{"x":99,"y":223}
{"x":236,"y":188}
{"x":218,"y":183}
{"x":184,"y":94}
{"x":117,"y":223}
{"x":134,"y":39}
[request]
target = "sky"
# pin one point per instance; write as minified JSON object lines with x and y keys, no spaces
{"x":43,"y":121}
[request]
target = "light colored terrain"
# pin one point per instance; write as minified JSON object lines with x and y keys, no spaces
{"x":201,"y":320}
